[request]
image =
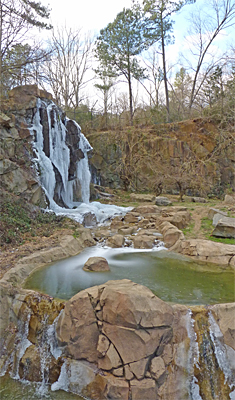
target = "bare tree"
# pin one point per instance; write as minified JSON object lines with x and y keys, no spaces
{"x":154,"y":77}
{"x":17,"y":18}
{"x":205,"y":26}
{"x":67,"y":71}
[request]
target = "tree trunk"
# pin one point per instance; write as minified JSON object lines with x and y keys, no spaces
{"x":165,"y":74}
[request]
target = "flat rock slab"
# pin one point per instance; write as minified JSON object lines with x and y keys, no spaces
{"x":96,"y":264}
{"x":224,"y":227}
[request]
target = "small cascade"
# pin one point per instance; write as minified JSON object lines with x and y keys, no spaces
{"x":21,"y":343}
{"x":211,"y":378}
{"x":193,"y":358}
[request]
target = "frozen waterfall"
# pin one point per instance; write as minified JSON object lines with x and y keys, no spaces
{"x":61,"y":156}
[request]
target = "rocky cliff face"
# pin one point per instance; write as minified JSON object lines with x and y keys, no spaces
{"x":17,"y":132}
{"x":142,"y":156}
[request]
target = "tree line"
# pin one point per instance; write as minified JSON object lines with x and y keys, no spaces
{"x":134,"y":49}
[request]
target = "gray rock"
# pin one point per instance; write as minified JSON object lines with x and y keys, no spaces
{"x":198,"y":200}
{"x":89,"y":220}
{"x":224,"y":228}
{"x":213,"y":211}
{"x":163,"y":201}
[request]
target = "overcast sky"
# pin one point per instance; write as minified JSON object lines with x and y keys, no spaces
{"x":91,"y":15}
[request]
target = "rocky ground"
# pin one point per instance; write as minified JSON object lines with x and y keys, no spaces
{"x":45,"y":238}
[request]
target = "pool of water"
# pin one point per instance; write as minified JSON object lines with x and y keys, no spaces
{"x":172,"y":277}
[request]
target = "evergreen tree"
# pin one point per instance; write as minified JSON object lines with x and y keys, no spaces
{"x":159,"y":28}
{"x":118,"y":46}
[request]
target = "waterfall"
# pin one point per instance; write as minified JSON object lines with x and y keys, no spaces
{"x":61,"y":156}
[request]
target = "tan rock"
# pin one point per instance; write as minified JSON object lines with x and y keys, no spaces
{"x":224,"y":315}
{"x":77,"y":328}
{"x":143,"y":241}
{"x":157,"y":367}
{"x":110,"y":360}
{"x":134,"y":344}
{"x":131,"y":218}
{"x":142,"y":197}
{"x":142,"y":210}
{"x":180,"y":219}
{"x":115,"y":241}
{"x":128,"y":304}
{"x":96,"y":264}
{"x":167,"y":354}
{"x":229,"y":199}
{"x":206,"y":250}
{"x":144,"y":389}
{"x":116,"y":223}
{"x":103,"y":345}
{"x":30,"y":367}
{"x":213,"y":211}
{"x":116,"y":388}
{"x":138,"y":368}
{"x":118,"y":372}
{"x":127,"y":230}
{"x":128,"y":374}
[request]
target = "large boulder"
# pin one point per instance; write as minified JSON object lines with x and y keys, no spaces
{"x":224,"y":226}
{"x":206,"y":250}
{"x":96,"y":264}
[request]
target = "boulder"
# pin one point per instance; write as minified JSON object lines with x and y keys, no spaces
{"x":115,"y":241}
{"x":144,"y":241}
{"x":96,"y":264}
{"x":127,"y":230}
{"x":30,"y":367}
{"x":131,"y":305}
{"x":163,"y":201}
{"x":131,"y":218}
{"x":213,"y":211}
{"x":229,"y":199}
{"x":180,"y":219}
{"x":198,"y":200}
{"x":142,"y":197}
{"x":143,"y":210}
{"x":171,"y":234}
{"x":77,"y":329}
{"x":89,"y":219}
{"x":224,"y":227}
{"x":206,"y":250}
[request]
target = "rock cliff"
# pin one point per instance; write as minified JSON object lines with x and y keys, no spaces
{"x":18,"y":171}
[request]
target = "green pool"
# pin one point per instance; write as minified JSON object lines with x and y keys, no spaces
{"x":172,"y":277}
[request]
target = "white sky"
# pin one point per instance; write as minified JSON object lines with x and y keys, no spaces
{"x":91,"y":15}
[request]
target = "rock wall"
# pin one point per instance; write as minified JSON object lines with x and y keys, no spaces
{"x":118,"y":341}
{"x":164,"y":147}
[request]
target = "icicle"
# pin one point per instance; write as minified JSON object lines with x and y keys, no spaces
{"x":83,"y":172}
{"x":63,"y":380}
{"x":193,"y":358}
{"x":221,"y":353}
{"x":51,"y":334}
{"x":22,"y":343}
